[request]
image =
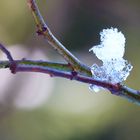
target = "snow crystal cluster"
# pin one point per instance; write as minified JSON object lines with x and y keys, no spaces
{"x":110,"y":51}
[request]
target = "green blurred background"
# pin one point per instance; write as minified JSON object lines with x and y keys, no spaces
{"x":72,"y":111}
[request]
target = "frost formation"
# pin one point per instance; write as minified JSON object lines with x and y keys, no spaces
{"x":110,"y":51}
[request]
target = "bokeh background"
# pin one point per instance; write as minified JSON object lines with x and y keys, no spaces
{"x":37,"y":107}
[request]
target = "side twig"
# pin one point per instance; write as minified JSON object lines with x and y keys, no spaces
{"x":44,"y":30}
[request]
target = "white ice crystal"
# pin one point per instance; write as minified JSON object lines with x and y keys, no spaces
{"x":110,"y":51}
{"x":112,"y":45}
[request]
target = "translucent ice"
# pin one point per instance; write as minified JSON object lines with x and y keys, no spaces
{"x":110,"y":51}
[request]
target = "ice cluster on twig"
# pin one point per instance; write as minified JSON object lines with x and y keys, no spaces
{"x":114,"y":69}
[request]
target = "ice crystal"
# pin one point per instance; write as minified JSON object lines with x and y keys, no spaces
{"x":110,"y":51}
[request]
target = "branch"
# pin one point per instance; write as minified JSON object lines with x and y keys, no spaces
{"x":64,"y":71}
{"x":44,"y":30}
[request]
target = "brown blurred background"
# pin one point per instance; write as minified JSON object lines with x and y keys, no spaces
{"x":37,"y":107}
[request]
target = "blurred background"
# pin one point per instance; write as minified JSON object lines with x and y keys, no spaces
{"x":34,"y":106}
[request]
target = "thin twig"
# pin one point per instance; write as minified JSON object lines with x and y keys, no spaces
{"x":44,"y":30}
